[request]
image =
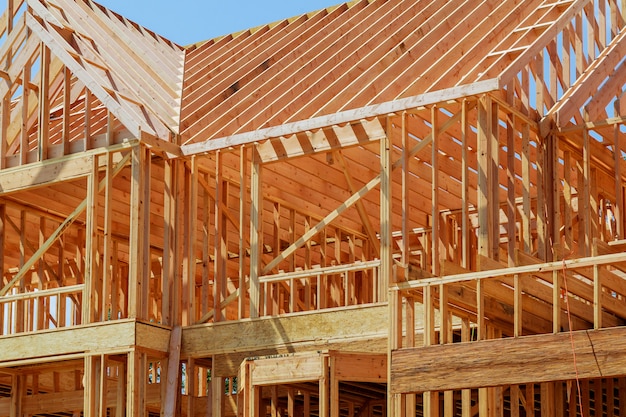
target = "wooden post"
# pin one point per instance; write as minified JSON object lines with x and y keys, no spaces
{"x":567,"y":203}
{"x":585,"y":207}
{"x":256,"y":236}
{"x":139,"y":227}
{"x":386,"y":262}
{"x":109,"y":256}
{"x":136,"y":384}
{"x":170,"y":381}
{"x":510,"y":174}
{"x":465,"y":221}
{"x":618,"y":210}
{"x":120,"y":403}
{"x":91,"y":383}
{"x":526,"y":202}
{"x":17,"y":393}
{"x":517,"y":306}
{"x":385,"y":216}
{"x":484,"y":169}
{"x":24,"y":131}
{"x":191,"y":385}
{"x":90,"y":294}
{"x":217,"y":395}
{"x":44,"y":104}
{"x":334,"y":388}
{"x":67,"y":91}
{"x":324,"y":388}
{"x":434,"y":164}
{"x":243,"y":227}
{"x":191,"y":216}
{"x":493,"y":180}
{"x":291,"y":402}
{"x":274,"y":401}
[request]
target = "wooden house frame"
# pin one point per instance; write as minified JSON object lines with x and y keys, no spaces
{"x":384,"y":208}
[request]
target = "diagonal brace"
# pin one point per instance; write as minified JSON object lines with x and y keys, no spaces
{"x":59,"y":231}
{"x":354,"y":198}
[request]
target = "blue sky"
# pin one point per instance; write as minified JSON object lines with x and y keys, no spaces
{"x":191,"y":21}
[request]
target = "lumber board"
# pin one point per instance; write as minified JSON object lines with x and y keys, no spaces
{"x":227,"y":364}
{"x":360,"y":367}
{"x":106,"y":337}
{"x":339,"y":118}
{"x":366,"y":321}
{"x":522,"y":360}
{"x":287,"y":369}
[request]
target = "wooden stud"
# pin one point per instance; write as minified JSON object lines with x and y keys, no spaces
{"x":136,"y":384}
{"x":139,"y":226}
{"x":484,"y":151}
{"x":435,"y":220}
{"x":256,"y":240}
{"x":44,"y":105}
{"x":243,"y":223}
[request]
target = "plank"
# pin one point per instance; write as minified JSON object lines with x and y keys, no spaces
{"x":522,"y":360}
{"x":270,"y":332}
{"x":287,"y":369}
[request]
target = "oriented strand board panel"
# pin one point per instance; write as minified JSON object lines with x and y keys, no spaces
{"x":98,"y":337}
{"x":359,"y":367}
{"x":152,"y":336}
{"x":227,"y":364}
{"x":543,"y":358}
{"x":109,"y":336}
{"x":288,"y":369}
{"x":271,"y":332}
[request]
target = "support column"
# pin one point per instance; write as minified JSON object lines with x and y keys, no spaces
{"x":136,"y":384}
{"x":256,"y":235}
{"x":324,"y":389}
{"x":90,"y":309}
{"x":17,"y":392}
{"x":94,"y":402}
{"x":109,"y":270}
{"x":484,"y":162}
{"x":221,"y":246}
{"x":619,"y":194}
{"x":44,"y":104}
{"x":434,"y":163}
{"x":584,"y":206}
{"x":394,"y":401}
{"x":139,"y":268}
{"x":243,"y":218}
{"x":217,"y":395}
{"x":465,"y":222}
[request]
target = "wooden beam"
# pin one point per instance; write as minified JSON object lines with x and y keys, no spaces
{"x":321,"y":140}
{"x":229,"y":337}
{"x":522,"y":360}
{"x":287,"y":369}
{"x":53,"y":171}
{"x":524,"y":269}
{"x":347,"y":116}
{"x":107,"y":337}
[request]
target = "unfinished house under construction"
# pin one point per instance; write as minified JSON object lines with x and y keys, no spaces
{"x":391,"y":208}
